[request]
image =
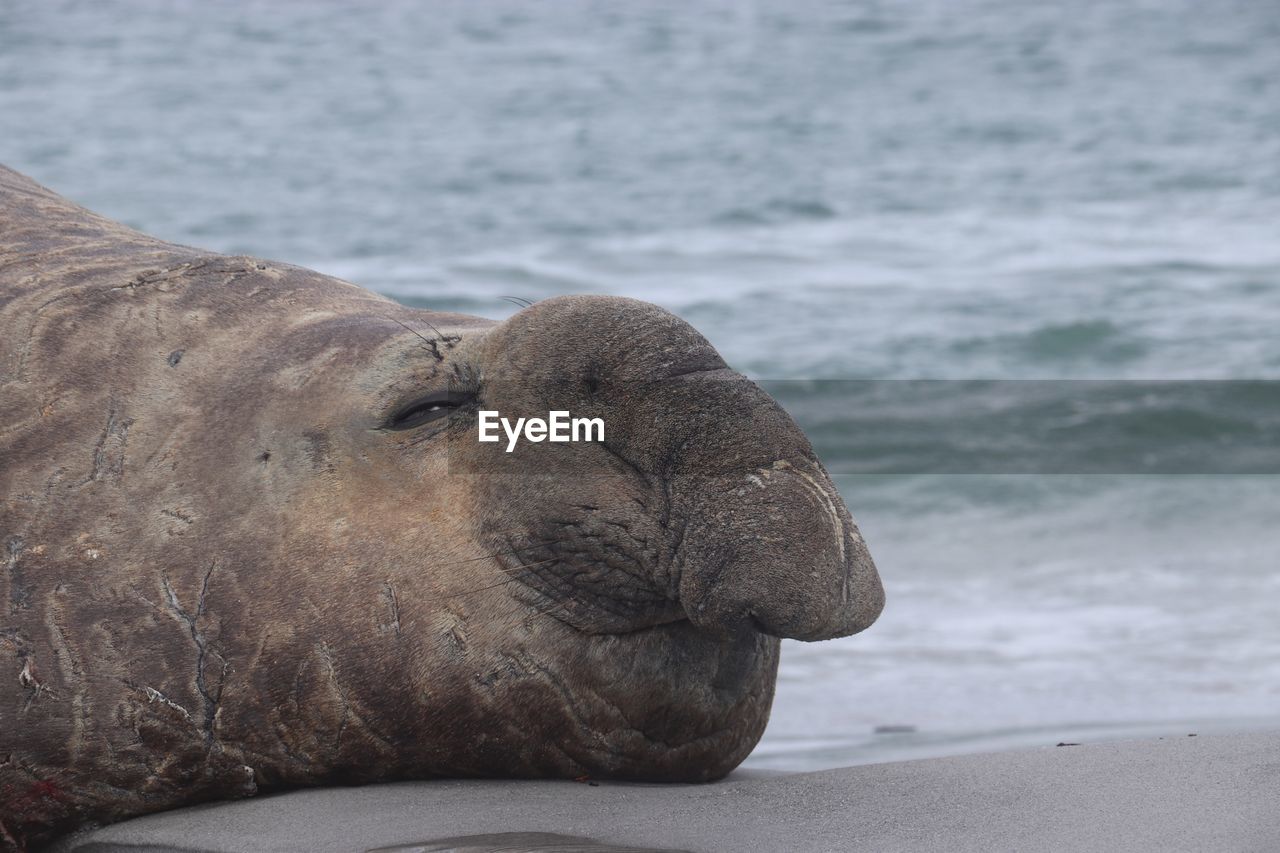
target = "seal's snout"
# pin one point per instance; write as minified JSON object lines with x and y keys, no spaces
{"x":777,"y":548}
{"x":756,"y":535}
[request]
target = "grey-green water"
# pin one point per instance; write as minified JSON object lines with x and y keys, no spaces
{"x":973,"y":189}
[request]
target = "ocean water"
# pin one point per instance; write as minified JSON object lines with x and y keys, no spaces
{"x":870,"y":206}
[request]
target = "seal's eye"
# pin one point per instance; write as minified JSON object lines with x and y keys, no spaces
{"x":427,"y":409}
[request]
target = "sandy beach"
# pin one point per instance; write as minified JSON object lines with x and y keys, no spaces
{"x":1188,"y":793}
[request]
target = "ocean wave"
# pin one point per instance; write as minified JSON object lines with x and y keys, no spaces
{"x":1039,"y":426}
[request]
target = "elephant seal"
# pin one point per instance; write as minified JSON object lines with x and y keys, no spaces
{"x":249,"y":540}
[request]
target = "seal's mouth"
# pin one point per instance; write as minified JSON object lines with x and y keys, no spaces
{"x":771,"y":553}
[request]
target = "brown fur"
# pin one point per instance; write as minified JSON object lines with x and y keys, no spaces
{"x":221,"y":573}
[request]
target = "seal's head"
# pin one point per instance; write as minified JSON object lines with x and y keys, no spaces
{"x":609,"y":608}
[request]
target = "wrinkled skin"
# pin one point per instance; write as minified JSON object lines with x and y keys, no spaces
{"x":223,"y":572}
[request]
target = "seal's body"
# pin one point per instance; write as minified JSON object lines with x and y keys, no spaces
{"x":248,"y":540}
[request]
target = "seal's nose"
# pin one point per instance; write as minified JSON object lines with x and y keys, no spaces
{"x":776,"y":547}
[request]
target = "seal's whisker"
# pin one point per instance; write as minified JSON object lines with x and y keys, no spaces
{"x":526,"y":566}
{"x":431,"y":345}
{"x":518,"y":300}
{"x":528,"y":547}
{"x":514,"y":575}
{"x":467,"y":592}
{"x":547,"y":611}
{"x":417,"y":334}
